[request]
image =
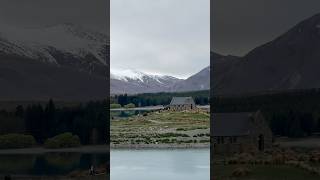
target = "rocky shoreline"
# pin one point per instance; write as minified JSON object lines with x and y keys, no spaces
{"x":27,"y":177}
{"x":160,"y":146}
{"x":42,"y":150}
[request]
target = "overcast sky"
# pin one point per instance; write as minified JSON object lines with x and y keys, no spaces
{"x":170,"y":37}
{"x":240,"y":26}
{"x":37,"y":13}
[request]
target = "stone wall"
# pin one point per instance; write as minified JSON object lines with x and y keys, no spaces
{"x":250,"y":142}
{"x":181,"y":107}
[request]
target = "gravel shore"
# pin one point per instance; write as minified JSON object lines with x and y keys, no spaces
{"x":160,"y":146}
{"x":41,"y":150}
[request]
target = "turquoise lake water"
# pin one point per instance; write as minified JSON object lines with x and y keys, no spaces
{"x":160,"y":164}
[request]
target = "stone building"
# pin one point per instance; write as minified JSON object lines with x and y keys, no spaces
{"x":182,"y":103}
{"x":240,"y":132}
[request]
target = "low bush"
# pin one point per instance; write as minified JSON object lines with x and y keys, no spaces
{"x":9,"y":141}
{"x":173,"y":135}
{"x":115,"y":106}
{"x":241,"y":172}
{"x":243,"y":158}
{"x":65,"y":140}
{"x":131,"y":105}
{"x":204,"y":140}
{"x":165,"y":141}
{"x":315,"y":157}
{"x":181,"y":129}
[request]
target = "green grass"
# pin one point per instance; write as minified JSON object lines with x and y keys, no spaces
{"x":264,"y":172}
{"x":158,"y":127}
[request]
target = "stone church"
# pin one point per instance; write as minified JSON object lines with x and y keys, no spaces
{"x":240,"y":132}
{"x":182,"y":103}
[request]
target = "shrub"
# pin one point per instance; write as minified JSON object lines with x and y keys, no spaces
{"x":115,"y":106}
{"x":290,"y":155}
{"x":315,"y":157}
{"x":278,"y":158}
{"x":180,"y":129}
{"x":166,"y":140}
{"x":188,"y":141}
{"x":204,"y":140}
{"x":241,"y":172}
{"x":243,"y":158}
{"x":173,"y":135}
{"x":65,"y":140}
{"x":131,"y":105}
{"x":16,"y":141}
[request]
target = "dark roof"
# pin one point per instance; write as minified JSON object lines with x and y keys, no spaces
{"x":181,"y":100}
{"x":231,"y":124}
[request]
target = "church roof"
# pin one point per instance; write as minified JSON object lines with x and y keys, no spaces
{"x":231,"y":124}
{"x":181,"y":100}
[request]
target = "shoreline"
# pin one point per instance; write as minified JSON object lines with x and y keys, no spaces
{"x":102,"y":148}
{"x":42,"y":150}
{"x":158,"y":146}
{"x":46,"y":177}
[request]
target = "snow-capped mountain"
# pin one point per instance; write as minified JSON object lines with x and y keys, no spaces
{"x":65,"y":62}
{"x":62,"y":44}
{"x":133,"y":82}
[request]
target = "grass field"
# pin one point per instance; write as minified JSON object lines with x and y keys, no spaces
{"x":163,"y":127}
{"x":264,"y":172}
{"x":302,"y":143}
{"x":290,"y":159}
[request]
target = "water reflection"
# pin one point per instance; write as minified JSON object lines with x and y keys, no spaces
{"x":49,"y":163}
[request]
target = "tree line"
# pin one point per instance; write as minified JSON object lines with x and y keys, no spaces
{"x":163,"y":98}
{"x":292,"y":114}
{"x":89,"y":121}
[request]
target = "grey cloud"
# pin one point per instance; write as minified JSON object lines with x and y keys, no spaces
{"x":166,"y":37}
{"x":239,"y":26}
{"x":21,"y":13}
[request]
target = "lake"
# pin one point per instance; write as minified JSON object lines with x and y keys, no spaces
{"x":126,"y":113}
{"x":179,"y":164}
{"x":50,"y":163}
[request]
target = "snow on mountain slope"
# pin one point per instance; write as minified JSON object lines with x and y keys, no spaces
{"x":134,"y":82}
{"x":43,"y":43}
{"x":65,"y":62}
{"x":128,"y":74}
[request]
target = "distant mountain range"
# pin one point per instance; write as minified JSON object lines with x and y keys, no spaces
{"x":65,"y":62}
{"x":69,"y":62}
{"x":135,"y":82}
{"x":291,"y":61}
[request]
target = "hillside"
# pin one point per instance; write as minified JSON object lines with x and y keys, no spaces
{"x":63,"y":62}
{"x":290,"y":61}
{"x":135,"y":82}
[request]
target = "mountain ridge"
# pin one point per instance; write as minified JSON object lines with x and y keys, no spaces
{"x":138,"y":82}
{"x":56,"y":44}
{"x":63,"y":62}
{"x":290,"y":61}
